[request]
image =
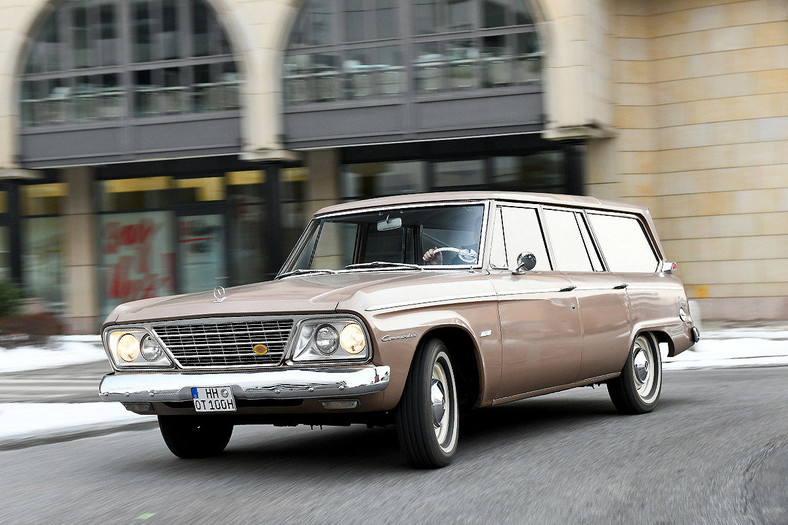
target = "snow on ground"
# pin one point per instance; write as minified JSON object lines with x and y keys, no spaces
{"x":56,"y":352}
{"x":728,"y":353}
{"x":20,"y":421}
{"x":720,"y":347}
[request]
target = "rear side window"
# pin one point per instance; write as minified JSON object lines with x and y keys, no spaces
{"x":566,"y":240}
{"x":624,"y":243}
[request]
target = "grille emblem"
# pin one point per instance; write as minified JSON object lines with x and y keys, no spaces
{"x":219,"y":294}
{"x":260,"y":349}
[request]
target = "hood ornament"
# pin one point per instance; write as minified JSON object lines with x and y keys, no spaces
{"x":219,"y":294}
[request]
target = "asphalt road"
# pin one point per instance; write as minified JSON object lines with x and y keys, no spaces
{"x":714,"y":451}
{"x":66,"y":384}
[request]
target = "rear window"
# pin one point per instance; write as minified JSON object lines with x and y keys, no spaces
{"x":624,"y":243}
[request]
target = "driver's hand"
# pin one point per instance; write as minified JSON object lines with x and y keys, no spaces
{"x":433,"y":257}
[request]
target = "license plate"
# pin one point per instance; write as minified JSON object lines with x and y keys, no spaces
{"x":213,"y":399}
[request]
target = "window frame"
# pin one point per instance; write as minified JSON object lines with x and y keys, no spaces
{"x":497,"y":211}
{"x":645,"y":230}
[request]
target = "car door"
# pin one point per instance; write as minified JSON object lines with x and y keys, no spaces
{"x":540,"y":324}
{"x":601,"y":295}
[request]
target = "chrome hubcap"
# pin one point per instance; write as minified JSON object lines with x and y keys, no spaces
{"x":438,"y":403}
{"x":641,"y":363}
{"x":643,"y":367}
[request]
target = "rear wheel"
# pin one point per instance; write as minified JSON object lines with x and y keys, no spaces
{"x":427,"y":416}
{"x":192,"y":437}
{"x":637,"y":389}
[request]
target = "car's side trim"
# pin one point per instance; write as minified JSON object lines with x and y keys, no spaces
{"x":292,"y":383}
{"x":437,"y":300}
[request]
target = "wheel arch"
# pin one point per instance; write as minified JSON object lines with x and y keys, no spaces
{"x":465,"y":358}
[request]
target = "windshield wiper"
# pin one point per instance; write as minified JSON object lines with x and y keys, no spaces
{"x":383,"y":264}
{"x":301,"y":271}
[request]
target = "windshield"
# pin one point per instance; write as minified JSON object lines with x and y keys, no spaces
{"x":412,"y":237}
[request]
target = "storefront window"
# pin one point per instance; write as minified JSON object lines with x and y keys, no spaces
{"x":5,"y":254}
{"x":201,"y":247}
{"x":151,"y":193}
{"x":43,"y":199}
{"x":292,"y":190}
{"x":138,"y":259}
{"x":383,"y":178}
{"x":245,"y":187}
{"x":543,"y":171}
{"x":42,"y":260}
{"x":458,"y":173}
{"x":248,"y":261}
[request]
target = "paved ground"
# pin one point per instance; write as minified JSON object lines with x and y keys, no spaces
{"x":714,"y":451}
{"x":67,"y":384}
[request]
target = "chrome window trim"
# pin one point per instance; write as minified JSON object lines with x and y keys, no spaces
{"x":315,"y":223}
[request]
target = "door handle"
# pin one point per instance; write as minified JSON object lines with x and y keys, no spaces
{"x":620,"y":286}
{"x":568,"y":288}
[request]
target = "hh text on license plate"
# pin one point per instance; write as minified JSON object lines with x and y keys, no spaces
{"x":213,"y":399}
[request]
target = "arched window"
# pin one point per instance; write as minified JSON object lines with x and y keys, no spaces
{"x":359,"y":49}
{"x":112,"y":60}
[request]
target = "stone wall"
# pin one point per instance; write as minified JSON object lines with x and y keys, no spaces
{"x":701,"y":90}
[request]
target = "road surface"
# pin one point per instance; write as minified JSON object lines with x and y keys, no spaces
{"x":714,"y":451}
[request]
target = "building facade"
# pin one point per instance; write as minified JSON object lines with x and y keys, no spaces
{"x":151,"y":147}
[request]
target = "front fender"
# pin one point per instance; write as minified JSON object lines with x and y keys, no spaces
{"x":397,"y":335}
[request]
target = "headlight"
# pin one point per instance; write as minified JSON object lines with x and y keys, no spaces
{"x":128,"y":347}
{"x":151,"y":350}
{"x":134,"y":347}
{"x":352,"y":339}
{"x":330,"y":340}
{"x":326,"y":339}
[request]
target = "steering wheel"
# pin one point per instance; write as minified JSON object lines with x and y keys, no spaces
{"x":465,"y":254}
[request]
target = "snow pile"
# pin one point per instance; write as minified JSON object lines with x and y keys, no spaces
{"x":58,"y":351}
{"x":27,"y":420}
{"x":734,"y":348}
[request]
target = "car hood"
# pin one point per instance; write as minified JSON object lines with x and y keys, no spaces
{"x":351,"y":291}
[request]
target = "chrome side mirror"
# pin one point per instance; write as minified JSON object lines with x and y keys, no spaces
{"x":526,"y":262}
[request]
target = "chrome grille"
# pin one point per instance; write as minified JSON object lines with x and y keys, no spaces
{"x":225,"y":344}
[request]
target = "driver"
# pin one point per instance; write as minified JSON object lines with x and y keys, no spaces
{"x":433,"y":257}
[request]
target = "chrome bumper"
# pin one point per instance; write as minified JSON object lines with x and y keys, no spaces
{"x":300,"y":383}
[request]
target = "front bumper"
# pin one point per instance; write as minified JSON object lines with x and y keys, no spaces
{"x":293,"y":383}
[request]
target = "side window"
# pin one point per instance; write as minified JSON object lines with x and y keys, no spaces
{"x":517,"y":230}
{"x":571,"y":254}
{"x":624,"y":243}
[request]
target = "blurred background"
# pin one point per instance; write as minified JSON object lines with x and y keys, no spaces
{"x":150,"y":147}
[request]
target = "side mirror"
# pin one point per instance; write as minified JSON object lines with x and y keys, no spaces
{"x":526,"y":262}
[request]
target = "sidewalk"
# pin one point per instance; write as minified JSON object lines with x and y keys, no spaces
{"x":722,"y":345}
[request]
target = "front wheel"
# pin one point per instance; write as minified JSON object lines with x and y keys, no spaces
{"x":637,"y":389}
{"x":193,"y":437}
{"x":427,"y":416}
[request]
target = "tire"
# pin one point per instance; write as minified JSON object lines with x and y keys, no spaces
{"x":427,"y":417}
{"x":193,"y":437}
{"x":637,"y":389}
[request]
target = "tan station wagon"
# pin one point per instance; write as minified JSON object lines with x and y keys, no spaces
{"x":407,"y":310}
